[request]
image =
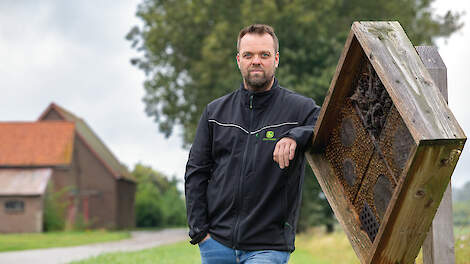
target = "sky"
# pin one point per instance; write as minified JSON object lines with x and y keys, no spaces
{"x":74,"y":53}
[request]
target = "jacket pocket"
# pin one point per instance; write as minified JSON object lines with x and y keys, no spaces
{"x":203,"y":243}
{"x":287,"y":229}
{"x":289,"y":235}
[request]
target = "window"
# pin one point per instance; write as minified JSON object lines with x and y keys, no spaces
{"x":14,"y":206}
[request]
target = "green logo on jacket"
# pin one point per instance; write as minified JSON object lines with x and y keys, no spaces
{"x":270,"y":136}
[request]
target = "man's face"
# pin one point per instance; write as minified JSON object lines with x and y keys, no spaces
{"x":257,"y":60}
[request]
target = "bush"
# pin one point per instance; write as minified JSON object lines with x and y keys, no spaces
{"x":54,"y":209}
{"x":461,"y":213}
{"x":80,"y":224}
{"x":148,"y":205}
{"x":314,"y":210}
{"x":158,"y":203}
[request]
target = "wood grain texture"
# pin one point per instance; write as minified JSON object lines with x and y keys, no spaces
{"x":342,"y":207}
{"x":437,"y":141}
{"x":417,"y":202}
{"x":435,"y":65}
{"x":438,"y":246}
{"x":406,"y":79}
{"x":347,"y":68}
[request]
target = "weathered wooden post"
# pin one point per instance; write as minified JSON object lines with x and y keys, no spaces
{"x":385,"y":144}
{"x":439,"y":244}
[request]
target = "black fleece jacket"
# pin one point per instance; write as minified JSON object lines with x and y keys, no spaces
{"x":234,"y":189}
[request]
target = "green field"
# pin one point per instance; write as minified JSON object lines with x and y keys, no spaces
{"x":462,"y":245}
{"x":183,"y":252}
{"x":314,"y":247}
{"x":178,"y":253}
{"x":11,"y":242}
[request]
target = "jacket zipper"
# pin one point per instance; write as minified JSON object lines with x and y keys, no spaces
{"x":235,"y":237}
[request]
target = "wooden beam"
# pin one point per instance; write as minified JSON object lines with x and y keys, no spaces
{"x":436,"y":141}
{"x":348,"y":66}
{"x":439,"y":244}
{"x":407,"y":81}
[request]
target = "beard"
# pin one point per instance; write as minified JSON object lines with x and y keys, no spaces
{"x":259,"y":80}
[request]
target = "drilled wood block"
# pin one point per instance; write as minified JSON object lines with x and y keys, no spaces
{"x":385,"y":144}
{"x":349,"y":150}
{"x":376,"y":191}
{"x":396,"y":143}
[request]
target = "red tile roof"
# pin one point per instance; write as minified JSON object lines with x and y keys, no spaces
{"x":92,"y":142}
{"x":36,"y":143}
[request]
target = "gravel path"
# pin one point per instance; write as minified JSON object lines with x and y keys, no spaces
{"x":140,"y":240}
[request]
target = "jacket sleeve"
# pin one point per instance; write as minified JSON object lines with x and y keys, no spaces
{"x":303,"y":133}
{"x":196,"y":178}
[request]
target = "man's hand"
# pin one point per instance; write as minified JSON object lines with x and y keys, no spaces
{"x":284,"y":151}
{"x":207,"y":237}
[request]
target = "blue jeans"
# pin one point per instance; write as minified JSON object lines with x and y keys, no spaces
{"x":213,"y":252}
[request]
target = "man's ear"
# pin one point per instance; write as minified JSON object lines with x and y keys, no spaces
{"x":238,"y":60}
{"x":276,"y":60}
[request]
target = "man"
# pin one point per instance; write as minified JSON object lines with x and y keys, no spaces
{"x":245,"y":170}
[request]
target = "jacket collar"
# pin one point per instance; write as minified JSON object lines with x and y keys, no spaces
{"x":258,"y":99}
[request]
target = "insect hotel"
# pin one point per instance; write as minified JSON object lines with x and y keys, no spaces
{"x":385,"y":144}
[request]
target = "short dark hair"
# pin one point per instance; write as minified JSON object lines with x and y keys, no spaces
{"x":260,"y":29}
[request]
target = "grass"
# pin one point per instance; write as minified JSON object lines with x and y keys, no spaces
{"x":12,"y":242}
{"x":302,"y":256}
{"x":325,"y":248}
{"x":183,"y":252}
{"x":178,"y":253}
{"x":462,"y":245}
{"x":313,"y":247}
{"x":335,"y":248}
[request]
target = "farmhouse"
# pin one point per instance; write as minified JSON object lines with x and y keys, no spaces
{"x":61,"y":153}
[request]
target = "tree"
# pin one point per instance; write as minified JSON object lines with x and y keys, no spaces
{"x":188,"y":51}
{"x":158,"y":202}
{"x":188,"y":48}
{"x":461,"y":205}
{"x":462,"y":194}
{"x":314,"y":210}
{"x":461,"y":213}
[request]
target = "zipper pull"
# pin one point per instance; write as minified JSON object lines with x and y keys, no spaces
{"x":251,"y":101}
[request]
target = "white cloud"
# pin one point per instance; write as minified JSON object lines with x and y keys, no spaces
{"x":77,"y":56}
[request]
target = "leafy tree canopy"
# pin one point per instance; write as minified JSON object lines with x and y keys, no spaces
{"x":188,"y":47}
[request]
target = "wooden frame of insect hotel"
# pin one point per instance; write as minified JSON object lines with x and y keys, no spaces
{"x":385,"y":144}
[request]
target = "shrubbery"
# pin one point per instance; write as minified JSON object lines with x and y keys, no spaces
{"x":158,"y":203}
{"x":54,"y":210}
{"x":314,"y":210}
{"x":461,"y":205}
{"x":461,"y":213}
